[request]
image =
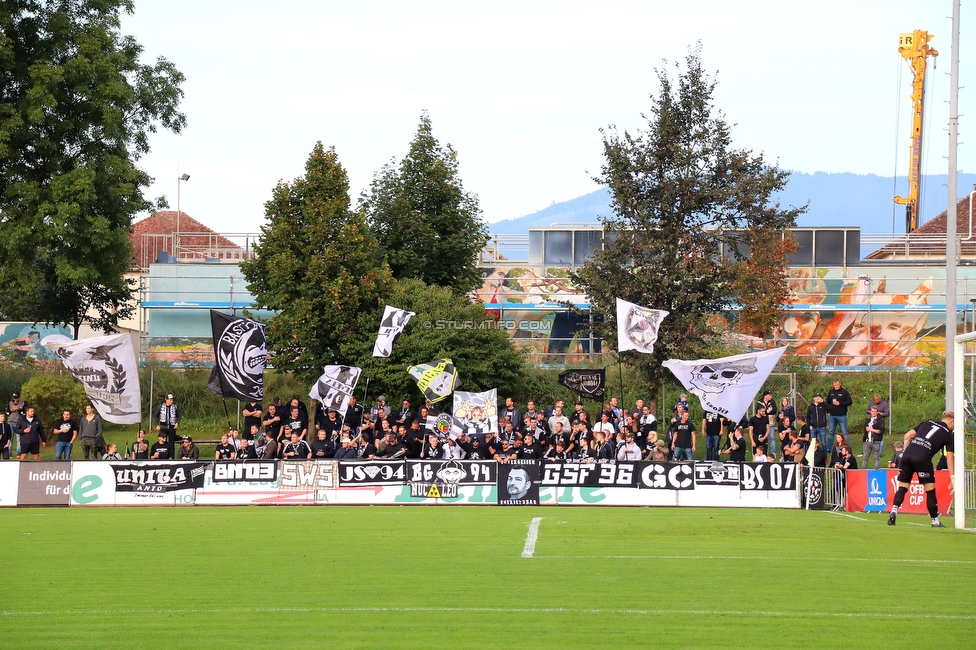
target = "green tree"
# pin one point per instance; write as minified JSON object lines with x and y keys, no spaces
{"x":760,"y":284}
{"x":76,"y":111}
{"x":318,"y":267}
{"x":427,"y":225}
{"x":446,"y":325}
{"x":681,"y":194}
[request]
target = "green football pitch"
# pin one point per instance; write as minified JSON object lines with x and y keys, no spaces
{"x":456,"y":577}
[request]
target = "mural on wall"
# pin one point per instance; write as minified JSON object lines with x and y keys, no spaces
{"x":879,"y":328}
{"x":838,"y":321}
{"x":181,"y":350}
{"x":23,"y":340}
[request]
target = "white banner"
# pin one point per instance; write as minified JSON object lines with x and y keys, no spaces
{"x":726,"y":386}
{"x":476,"y":413}
{"x":637,"y":326}
{"x":335,"y":386}
{"x":394,"y":320}
{"x":106,"y":366}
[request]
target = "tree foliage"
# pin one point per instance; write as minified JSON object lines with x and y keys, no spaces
{"x":428,"y":227}
{"x":76,"y":111}
{"x":760,"y":285}
{"x":681,"y":194}
{"x":446,"y":325}
{"x":318,"y":267}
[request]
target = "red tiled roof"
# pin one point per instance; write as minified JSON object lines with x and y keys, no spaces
{"x":920,"y":248}
{"x":164,"y":223}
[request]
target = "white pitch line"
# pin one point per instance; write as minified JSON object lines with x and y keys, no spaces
{"x":532,"y":537}
{"x":498,"y":610}
{"x":741,"y":557}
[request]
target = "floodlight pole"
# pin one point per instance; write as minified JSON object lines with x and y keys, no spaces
{"x":954,"y":371}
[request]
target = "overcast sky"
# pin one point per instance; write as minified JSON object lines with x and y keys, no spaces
{"x":521,"y":89}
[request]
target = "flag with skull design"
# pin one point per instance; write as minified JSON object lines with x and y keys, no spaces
{"x":727,"y":385}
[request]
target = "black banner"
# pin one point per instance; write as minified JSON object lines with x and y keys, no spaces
{"x":239,"y":356}
{"x":816,"y":488}
{"x":260,"y":471}
{"x":590,"y":474}
{"x":372,"y":472}
{"x":460,"y":472}
{"x":768,"y":476}
{"x":159,"y":477}
{"x":518,"y":483}
{"x":717,"y":473}
{"x":666,"y":476}
{"x":585,"y":382}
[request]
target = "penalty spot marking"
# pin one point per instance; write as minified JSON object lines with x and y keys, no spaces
{"x":498,"y":610}
{"x":532,"y":537}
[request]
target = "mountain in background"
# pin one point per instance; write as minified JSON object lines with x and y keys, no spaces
{"x":863,"y":200}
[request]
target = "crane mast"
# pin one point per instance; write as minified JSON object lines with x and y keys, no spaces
{"x":914,"y":48}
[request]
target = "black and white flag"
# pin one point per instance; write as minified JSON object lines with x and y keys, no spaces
{"x":436,"y":380}
{"x":726,"y":386}
{"x":334,"y":388}
{"x":239,"y":357}
{"x":106,"y":366}
{"x":476,"y":413}
{"x":394,"y":320}
{"x":637,"y":326}
{"x":585,"y":382}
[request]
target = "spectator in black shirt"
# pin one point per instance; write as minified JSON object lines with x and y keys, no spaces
{"x":160,"y":450}
{"x":140,"y":448}
{"x":296,"y":448}
{"x":296,"y":422}
{"x":354,"y":414}
{"x":246,"y":450}
{"x":530,"y":448}
{"x":735,"y":446}
{"x":252,"y":413}
{"x":225,"y":450}
{"x":758,"y":429}
{"x":323,"y":447}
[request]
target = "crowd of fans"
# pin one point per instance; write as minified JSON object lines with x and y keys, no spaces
{"x":774,"y":431}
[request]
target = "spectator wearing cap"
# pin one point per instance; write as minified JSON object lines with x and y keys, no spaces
{"x":15,"y":411}
{"x":770,"y":405}
{"x":160,"y":450}
{"x":394,"y":449}
{"x":381,"y":405}
{"x":577,"y":413}
{"x":331,"y":423}
{"x":168,"y":421}
{"x":473,"y":447}
{"x":683,"y":403}
{"x":188,"y":450}
{"x":629,"y":450}
{"x":347,"y":450}
{"x":817,"y":420}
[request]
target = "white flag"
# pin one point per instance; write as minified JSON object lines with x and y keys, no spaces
{"x":394,"y":320}
{"x":334,"y":388}
{"x":476,"y":412}
{"x":106,"y":366}
{"x":728,"y":385}
{"x":637,"y":326}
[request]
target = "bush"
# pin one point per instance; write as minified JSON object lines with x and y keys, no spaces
{"x":50,"y":394}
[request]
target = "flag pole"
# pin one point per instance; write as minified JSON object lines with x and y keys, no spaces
{"x":223,"y":401}
{"x":369,"y":370}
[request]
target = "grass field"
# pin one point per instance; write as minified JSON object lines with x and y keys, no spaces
{"x":455,"y":577}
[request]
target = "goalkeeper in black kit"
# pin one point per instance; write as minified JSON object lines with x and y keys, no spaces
{"x":921,"y":444}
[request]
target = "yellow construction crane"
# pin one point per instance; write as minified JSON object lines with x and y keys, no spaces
{"x":915,"y":49}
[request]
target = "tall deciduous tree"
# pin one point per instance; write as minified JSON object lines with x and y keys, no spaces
{"x":76,"y":110}
{"x":446,"y":325}
{"x":318,"y":267}
{"x":428,"y":227}
{"x":760,"y":284}
{"x":681,"y":194}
